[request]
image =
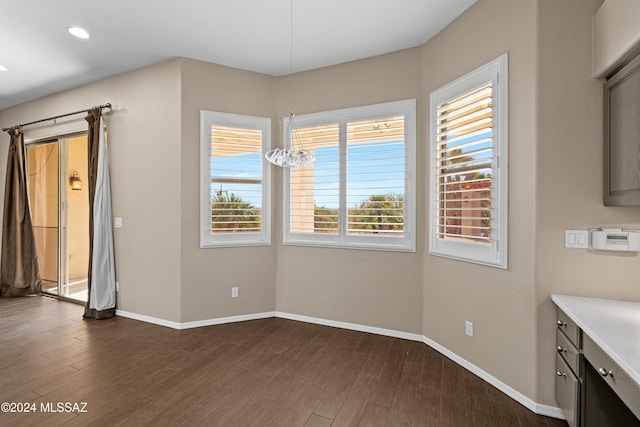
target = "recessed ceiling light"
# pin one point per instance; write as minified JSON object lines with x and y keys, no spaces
{"x":3,"y":68}
{"x":79,"y":32}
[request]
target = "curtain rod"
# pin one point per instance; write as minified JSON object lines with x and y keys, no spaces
{"x":107,"y":105}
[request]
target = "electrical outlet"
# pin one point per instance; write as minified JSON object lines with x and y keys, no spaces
{"x":234,"y":292}
{"x":469,"y":328}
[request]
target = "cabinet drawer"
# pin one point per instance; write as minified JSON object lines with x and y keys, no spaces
{"x":570,"y":329}
{"x":613,"y":375}
{"x":568,"y":351}
{"x":567,"y":391}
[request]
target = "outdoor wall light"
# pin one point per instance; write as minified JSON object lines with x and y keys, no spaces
{"x":75,"y":182}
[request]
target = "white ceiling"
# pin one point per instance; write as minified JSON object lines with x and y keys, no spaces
{"x":43,"y":58}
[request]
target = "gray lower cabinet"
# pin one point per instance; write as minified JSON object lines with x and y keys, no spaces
{"x":591,"y":389}
{"x":568,"y":362}
{"x":569,"y":352}
{"x":567,"y":391}
{"x":624,"y":394}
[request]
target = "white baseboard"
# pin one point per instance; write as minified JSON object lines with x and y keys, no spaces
{"x":539,"y":409}
{"x":196,"y":324}
{"x":350,"y":326}
{"x":549,"y":411}
{"x":148,"y":319}
{"x":231,"y":319}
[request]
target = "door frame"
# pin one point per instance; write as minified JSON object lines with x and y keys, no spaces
{"x":63,"y":205}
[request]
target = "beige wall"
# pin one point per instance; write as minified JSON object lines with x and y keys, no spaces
{"x":569,"y":179}
{"x":373,"y":288}
{"x":499,"y":302}
{"x":555,"y":140}
{"x":144,"y":143}
{"x":208,"y":274}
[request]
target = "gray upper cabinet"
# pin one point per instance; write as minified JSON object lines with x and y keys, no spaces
{"x":622,"y":136}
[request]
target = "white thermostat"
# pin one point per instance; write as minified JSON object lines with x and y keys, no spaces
{"x":614,"y":239}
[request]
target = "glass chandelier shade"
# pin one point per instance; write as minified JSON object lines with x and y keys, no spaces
{"x":289,"y":157}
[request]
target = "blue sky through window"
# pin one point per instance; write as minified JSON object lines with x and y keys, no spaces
{"x":377,"y":168}
{"x":238,"y":167}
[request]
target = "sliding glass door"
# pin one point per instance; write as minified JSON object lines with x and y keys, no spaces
{"x":60,"y":214}
{"x":43,"y":172}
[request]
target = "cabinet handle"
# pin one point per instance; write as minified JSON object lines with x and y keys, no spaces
{"x":561,"y":374}
{"x":604,"y":372}
{"x":560,"y":349}
{"x":561,"y":323}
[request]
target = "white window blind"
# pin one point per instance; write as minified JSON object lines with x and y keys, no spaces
{"x":376,"y":176}
{"x":315,"y":189}
{"x":236,"y":179}
{"x":360,"y":191}
{"x":465,"y":166}
{"x":469,"y":167}
{"x":234,"y":190}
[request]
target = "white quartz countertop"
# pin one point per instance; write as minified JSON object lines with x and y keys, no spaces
{"x":613,"y":325}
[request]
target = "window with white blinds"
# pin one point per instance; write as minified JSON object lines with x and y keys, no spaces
{"x":359,"y":192}
{"x":234,"y":190}
{"x":469,"y":167}
{"x":464,"y":166}
{"x":376,"y":176}
{"x":315,"y":189}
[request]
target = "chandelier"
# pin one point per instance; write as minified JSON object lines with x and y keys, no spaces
{"x":291,"y":157}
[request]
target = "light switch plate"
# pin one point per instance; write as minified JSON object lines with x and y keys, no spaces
{"x":117,"y":222}
{"x":576,"y":239}
{"x":468,"y":328}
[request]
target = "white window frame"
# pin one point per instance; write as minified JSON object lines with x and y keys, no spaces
{"x":207,"y":239}
{"x":495,"y":254}
{"x":406,"y":243}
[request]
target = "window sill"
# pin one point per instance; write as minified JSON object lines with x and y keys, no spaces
{"x":366,"y":247}
{"x":231,"y":244}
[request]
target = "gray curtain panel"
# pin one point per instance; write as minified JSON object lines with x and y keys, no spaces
{"x":95,"y":132}
{"x":19,"y":270}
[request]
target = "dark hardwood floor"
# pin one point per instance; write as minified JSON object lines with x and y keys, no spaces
{"x":270,"y":372}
